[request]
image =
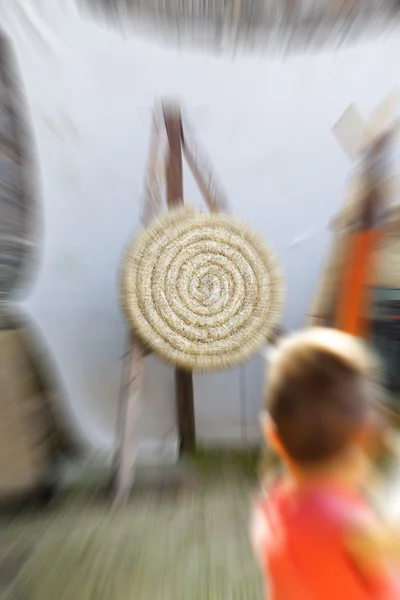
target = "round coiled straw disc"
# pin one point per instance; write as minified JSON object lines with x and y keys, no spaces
{"x":201,"y":290}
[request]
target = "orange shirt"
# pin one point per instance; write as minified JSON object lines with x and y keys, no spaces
{"x":299,"y":535}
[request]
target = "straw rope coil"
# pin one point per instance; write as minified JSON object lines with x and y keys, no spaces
{"x":201,"y":290}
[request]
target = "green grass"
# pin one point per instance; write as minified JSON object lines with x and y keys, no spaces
{"x":210,"y":462}
{"x":192,"y":544}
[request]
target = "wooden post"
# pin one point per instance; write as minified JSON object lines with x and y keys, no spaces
{"x":174,"y":176}
{"x":132,"y":388}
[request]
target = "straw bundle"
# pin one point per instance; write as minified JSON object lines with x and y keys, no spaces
{"x":201,"y":290}
{"x":18,"y":197}
{"x":256,"y":25}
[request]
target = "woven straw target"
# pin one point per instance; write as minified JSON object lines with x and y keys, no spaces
{"x":201,"y":290}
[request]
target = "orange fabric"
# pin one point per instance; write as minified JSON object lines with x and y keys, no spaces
{"x":300,"y":535}
{"x":353,"y":298}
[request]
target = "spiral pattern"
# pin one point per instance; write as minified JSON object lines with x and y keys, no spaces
{"x":201,"y":290}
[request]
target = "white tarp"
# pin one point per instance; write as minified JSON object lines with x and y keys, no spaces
{"x":267,"y":127}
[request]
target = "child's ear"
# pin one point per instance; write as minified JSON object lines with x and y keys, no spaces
{"x":270,"y":434}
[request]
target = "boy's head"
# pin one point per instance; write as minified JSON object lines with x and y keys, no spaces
{"x":318,"y":395}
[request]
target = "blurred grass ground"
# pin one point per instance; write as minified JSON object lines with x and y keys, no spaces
{"x":183,"y":535}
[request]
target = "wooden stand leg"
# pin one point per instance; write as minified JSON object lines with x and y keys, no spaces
{"x":183,"y":379}
{"x":132,"y":392}
{"x":185,"y":410}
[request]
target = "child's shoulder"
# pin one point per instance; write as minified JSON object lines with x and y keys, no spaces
{"x":322,"y":511}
